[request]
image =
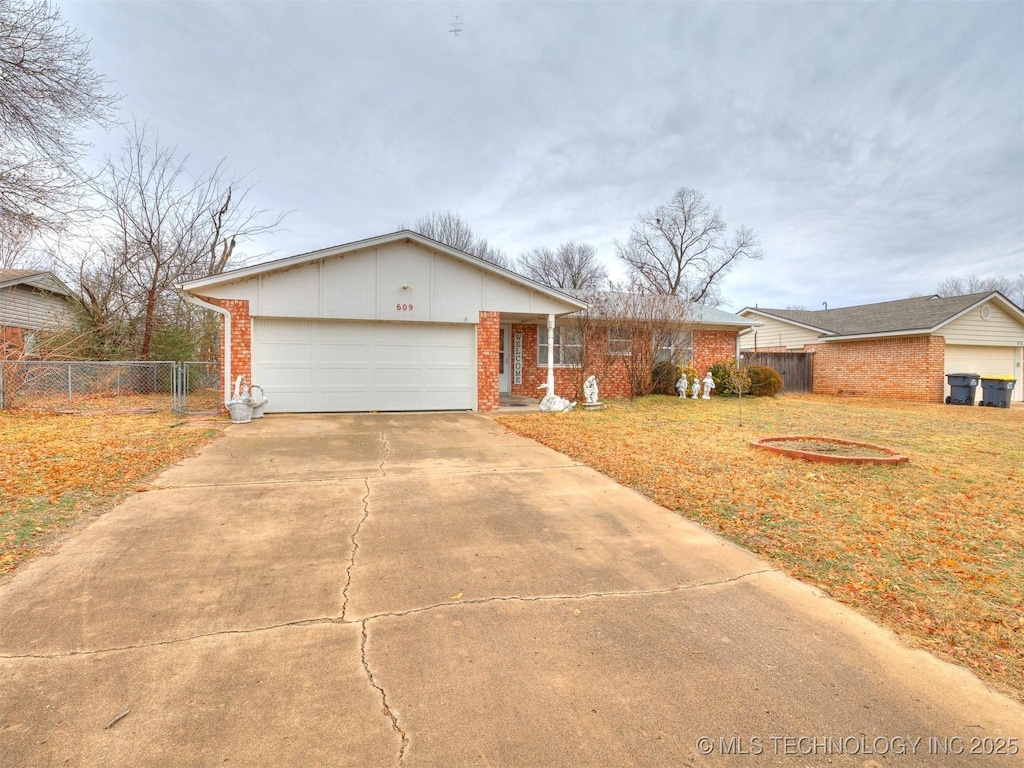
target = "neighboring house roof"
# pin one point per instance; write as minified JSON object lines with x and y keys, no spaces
{"x":918,"y":315}
{"x":40,"y":279}
{"x":291,"y":262}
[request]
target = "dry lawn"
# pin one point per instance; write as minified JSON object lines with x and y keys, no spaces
{"x":56,"y":471}
{"x":933,"y":549}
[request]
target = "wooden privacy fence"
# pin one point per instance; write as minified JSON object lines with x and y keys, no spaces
{"x":795,"y":368}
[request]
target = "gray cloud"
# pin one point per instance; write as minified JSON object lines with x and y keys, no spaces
{"x":877,"y":148}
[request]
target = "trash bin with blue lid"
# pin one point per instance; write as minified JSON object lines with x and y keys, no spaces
{"x":996,"y":391}
{"x":961,"y":388}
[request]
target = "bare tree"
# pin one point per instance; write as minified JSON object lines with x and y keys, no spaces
{"x":49,"y":92}
{"x":163,"y":226}
{"x":1011,"y":287}
{"x":16,"y":250}
{"x":682,"y":249}
{"x":450,"y":228}
{"x":570,"y":267}
{"x":645,"y":328}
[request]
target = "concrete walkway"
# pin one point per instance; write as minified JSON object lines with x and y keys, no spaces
{"x":430,"y":590}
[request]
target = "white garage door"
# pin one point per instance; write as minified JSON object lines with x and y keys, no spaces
{"x":319,"y":366}
{"x":985,"y":361}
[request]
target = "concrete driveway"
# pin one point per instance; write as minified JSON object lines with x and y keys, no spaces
{"x":431,"y":590}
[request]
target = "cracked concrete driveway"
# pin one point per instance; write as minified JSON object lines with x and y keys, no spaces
{"x":431,"y":590}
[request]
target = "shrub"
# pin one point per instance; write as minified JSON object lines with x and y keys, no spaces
{"x":663,"y":378}
{"x":764,"y":381}
{"x":728,"y":378}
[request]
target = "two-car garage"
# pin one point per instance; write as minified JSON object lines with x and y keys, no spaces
{"x":314,"y":366}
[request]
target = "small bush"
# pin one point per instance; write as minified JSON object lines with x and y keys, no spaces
{"x":729,"y":379}
{"x":663,"y":378}
{"x":764,"y":381}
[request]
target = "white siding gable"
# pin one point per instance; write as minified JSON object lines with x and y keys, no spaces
{"x":776,"y":333}
{"x":399,"y":281}
{"x":23,"y":307}
{"x":1000,"y":329}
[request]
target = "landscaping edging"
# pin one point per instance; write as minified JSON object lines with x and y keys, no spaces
{"x":891,"y":457}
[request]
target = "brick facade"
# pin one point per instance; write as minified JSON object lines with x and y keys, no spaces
{"x":612,"y":374}
{"x":613,"y":377}
{"x":710,"y":347}
{"x":488,"y":342}
{"x":241,"y":339}
{"x":900,"y":368}
{"x":12,"y":342}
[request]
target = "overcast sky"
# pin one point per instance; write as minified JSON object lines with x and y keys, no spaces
{"x":875,"y":148}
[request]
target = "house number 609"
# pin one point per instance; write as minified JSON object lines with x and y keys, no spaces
{"x":404,"y":307}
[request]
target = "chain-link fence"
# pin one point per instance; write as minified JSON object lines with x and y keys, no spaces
{"x":90,"y":386}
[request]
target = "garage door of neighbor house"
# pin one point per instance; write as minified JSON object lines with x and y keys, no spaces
{"x":318,"y":366}
{"x":986,"y":361}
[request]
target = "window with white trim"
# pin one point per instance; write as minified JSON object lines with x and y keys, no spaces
{"x":678,"y":348}
{"x":568,"y":349}
{"x":620,"y":342}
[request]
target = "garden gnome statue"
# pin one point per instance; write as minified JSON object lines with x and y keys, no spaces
{"x":709,"y":384}
{"x":590,"y":389}
{"x":696,"y":388}
{"x":681,"y":385}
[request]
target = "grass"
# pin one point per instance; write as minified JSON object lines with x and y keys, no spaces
{"x":933,"y":549}
{"x":59,"y":470}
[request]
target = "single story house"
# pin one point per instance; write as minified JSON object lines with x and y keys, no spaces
{"x":401,"y":322}
{"x":899,"y":349}
{"x":32,"y":301}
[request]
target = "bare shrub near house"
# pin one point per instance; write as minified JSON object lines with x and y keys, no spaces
{"x":644,"y":328}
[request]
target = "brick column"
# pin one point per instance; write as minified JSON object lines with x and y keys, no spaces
{"x":241,"y":339}
{"x":488,"y":342}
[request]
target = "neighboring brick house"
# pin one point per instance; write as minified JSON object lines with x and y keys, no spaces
{"x":899,"y":349}
{"x":32,"y":302}
{"x":401,"y":322}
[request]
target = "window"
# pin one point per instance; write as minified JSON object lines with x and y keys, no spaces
{"x":677,"y":348}
{"x":568,"y":346}
{"x":620,"y":342}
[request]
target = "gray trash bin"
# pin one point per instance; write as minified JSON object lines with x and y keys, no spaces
{"x":996,"y":390}
{"x":961,"y":388}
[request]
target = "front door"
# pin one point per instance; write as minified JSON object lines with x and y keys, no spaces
{"x":505,"y":359}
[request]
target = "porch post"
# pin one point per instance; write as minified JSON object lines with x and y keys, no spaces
{"x":551,"y":355}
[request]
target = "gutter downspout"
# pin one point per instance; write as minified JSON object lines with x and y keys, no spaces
{"x":227,"y":338}
{"x":744,"y":333}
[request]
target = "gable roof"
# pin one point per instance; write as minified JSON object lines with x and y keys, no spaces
{"x":921,"y":314}
{"x":611,"y":303}
{"x":40,"y":279}
{"x":280,"y":265}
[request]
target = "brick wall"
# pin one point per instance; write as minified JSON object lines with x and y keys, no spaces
{"x":612,"y":375}
{"x":902,"y":368}
{"x":710,"y":347}
{"x":12,"y":342}
{"x":488,"y":341}
{"x":241,"y":339}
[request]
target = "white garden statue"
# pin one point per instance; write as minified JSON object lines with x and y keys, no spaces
{"x":709,"y":384}
{"x":681,"y":385}
{"x":696,"y":388}
{"x":590,"y":389}
{"x":552,"y":403}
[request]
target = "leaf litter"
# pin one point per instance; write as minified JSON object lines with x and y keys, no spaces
{"x":58,"y":470}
